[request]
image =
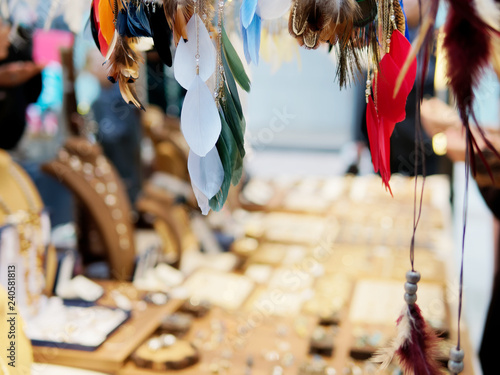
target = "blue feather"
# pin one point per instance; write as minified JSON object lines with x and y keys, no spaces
{"x":133,"y":21}
{"x":253,"y":37}
{"x":247,"y":12}
{"x":143,"y":18}
{"x":407,"y":32}
{"x":138,"y":24}
{"x":245,"y":44}
{"x":122,"y":23}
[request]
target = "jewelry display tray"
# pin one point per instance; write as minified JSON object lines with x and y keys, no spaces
{"x":80,"y":346}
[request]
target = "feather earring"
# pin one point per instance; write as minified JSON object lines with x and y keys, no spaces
{"x":231,"y":142}
{"x":120,"y":57}
{"x":416,"y":344}
{"x":195,"y":63}
{"x":314,"y":21}
{"x":389,"y":109}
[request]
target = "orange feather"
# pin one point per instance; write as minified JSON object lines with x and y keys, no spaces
{"x":106,"y":18}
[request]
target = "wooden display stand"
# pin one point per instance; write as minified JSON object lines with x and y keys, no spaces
{"x":83,"y":168}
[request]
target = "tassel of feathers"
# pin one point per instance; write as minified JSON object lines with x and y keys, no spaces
{"x":415,"y":346}
{"x":314,"y":21}
{"x":123,"y":64}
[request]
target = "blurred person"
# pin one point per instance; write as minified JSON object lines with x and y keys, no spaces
{"x":20,"y":85}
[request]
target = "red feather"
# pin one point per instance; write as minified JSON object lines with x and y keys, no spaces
{"x":400,"y":50}
{"x":418,"y":354}
{"x":467,"y":44}
{"x":379,"y":135}
{"x":390,"y":106}
{"x":381,"y":118}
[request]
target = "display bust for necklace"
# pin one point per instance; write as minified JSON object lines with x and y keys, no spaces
{"x":26,"y":233}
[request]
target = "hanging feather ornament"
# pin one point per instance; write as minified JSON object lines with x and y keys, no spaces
{"x":116,"y":25}
{"x":230,"y":145}
{"x":194,"y":64}
{"x":416,"y":345}
{"x":467,"y":46}
{"x":312,"y":22}
{"x":347,"y":26}
{"x":387,"y":108}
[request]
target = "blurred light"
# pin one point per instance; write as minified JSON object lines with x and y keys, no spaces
{"x":440,"y":144}
{"x":83,"y":108}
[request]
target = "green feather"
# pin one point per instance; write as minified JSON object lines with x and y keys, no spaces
{"x":231,"y":84}
{"x":227,"y":155}
{"x":235,"y":63}
{"x":236,"y":125}
{"x":232,"y":148}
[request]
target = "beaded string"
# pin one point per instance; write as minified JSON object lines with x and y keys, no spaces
{"x":455,"y":363}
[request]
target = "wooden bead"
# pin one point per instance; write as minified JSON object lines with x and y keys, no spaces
{"x":413,"y":277}
{"x":411,"y":288}
{"x":456,"y":355}
{"x":455,"y":367}
{"x":410,"y":299}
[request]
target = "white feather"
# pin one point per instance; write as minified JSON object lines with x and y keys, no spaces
{"x":202,"y":200}
{"x":271,"y":9}
{"x":112,"y":46}
{"x":200,"y":121}
{"x":489,"y":12}
{"x":385,"y":355}
{"x":207,"y":173}
{"x":185,"y":56}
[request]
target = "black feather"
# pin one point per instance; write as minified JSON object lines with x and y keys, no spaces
{"x":93,"y":27}
{"x":162,"y":35}
{"x":368,"y":12}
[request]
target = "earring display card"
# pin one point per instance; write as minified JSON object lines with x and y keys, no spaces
{"x":379,"y":301}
